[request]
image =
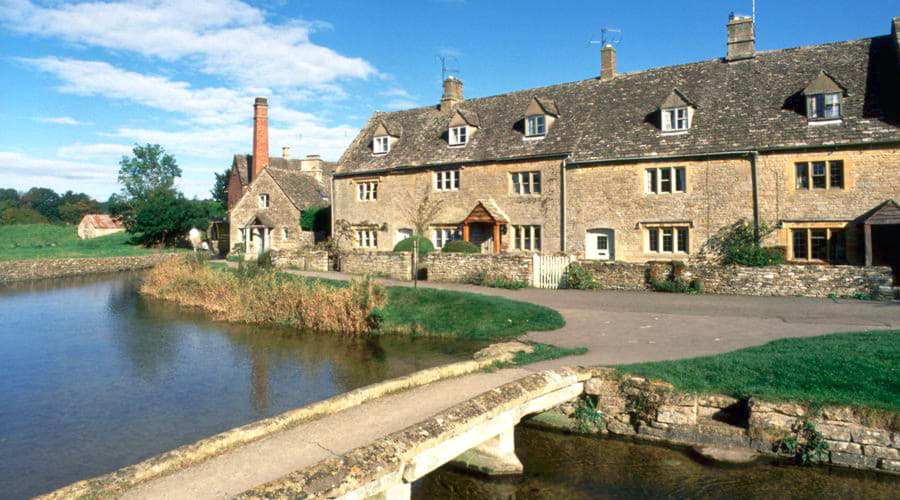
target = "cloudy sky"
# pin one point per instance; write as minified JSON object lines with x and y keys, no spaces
{"x":84,"y":81}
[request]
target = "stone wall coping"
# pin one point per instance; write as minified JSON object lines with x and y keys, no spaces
{"x":38,"y":269}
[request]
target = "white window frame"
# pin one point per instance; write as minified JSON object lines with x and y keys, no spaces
{"x":381,"y":145}
{"x":654,"y":177}
{"x":536,"y":126}
{"x":367,"y":191}
{"x":446,"y":180}
{"x":676,"y":119}
{"x":527,"y":238}
{"x":661,"y":233}
{"x":263,"y":200}
{"x":441,"y":235}
{"x":524,"y":183}
{"x":830,"y":107}
{"x":367,"y":238}
{"x":459,"y":136}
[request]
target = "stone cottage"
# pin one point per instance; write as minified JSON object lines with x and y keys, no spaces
{"x":649,"y":165}
{"x":266,"y":195}
{"x":94,"y":225}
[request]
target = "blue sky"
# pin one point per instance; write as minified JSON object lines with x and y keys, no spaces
{"x":84,"y":81}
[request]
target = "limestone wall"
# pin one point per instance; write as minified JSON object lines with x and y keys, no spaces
{"x":461,"y":267}
{"x":785,"y":280}
{"x":37,"y":269}
{"x":304,"y":260}
{"x":395,"y":265}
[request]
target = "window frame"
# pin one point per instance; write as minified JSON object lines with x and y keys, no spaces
{"x":262,"y":201}
{"x":826,"y":106}
{"x":805,"y":176}
{"x":677,"y":238}
{"x":527,"y":237}
{"x":367,"y":190}
{"x":524,"y":183}
{"x":284,"y":233}
{"x":536,"y":126}
{"x":676,"y":119}
{"x":381,"y":145}
{"x":366,"y":238}
{"x":459,"y":136}
{"x":443,"y":234}
{"x":446,"y":180}
{"x":835,"y":241}
{"x":653,"y":180}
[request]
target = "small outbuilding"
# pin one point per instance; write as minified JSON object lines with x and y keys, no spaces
{"x":94,"y":225}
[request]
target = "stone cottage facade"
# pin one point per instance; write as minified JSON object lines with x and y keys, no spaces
{"x":266,"y":195}
{"x":650,"y":165}
{"x":94,"y":225}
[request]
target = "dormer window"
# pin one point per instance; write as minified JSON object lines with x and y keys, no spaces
{"x":824,"y":99}
{"x":459,"y":135}
{"x":676,"y":112}
{"x":535,"y":126}
{"x":263,"y":201}
{"x":824,"y":106}
{"x":381,"y":145}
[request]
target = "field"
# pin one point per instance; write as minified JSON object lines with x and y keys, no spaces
{"x":53,"y":241}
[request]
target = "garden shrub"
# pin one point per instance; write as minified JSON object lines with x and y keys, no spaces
{"x":673,"y":281}
{"x":315,"y":219}
{"x":425,"y":245}
{"x":738,"y":244}
{"x":579,"y":278}
{"x":460,"y":246}
{"x":482,"y":278}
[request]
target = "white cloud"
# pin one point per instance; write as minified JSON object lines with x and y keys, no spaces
{"x":61,"y":120}
{"x":221,"y":37}
{"x":22,"y":172}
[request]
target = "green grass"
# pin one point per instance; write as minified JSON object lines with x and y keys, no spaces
{"x":844,"y":368}
{"x":541,"y":352}
{"x":54,"y":241}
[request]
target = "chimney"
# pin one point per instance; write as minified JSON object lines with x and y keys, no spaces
{"x":286,"y":152}
{"x":260,"y":136}
{"x":453,"y":94}
{"x":741,"y":38}
{"x":607,"y":62}
{"x":312,"y":165}
{"x":895,"y":36}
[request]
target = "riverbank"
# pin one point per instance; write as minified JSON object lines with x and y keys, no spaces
{"x":42,"y":269}
{"x":58,"y":241}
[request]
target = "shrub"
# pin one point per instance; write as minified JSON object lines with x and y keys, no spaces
{"x":425,"y":245}
{"x":580,"y":278}
{"x":315,"y":219}
{"x":673,"y":281}
{"x":265,"y":261}
{"x":482,"y":278}
{"x":739,"y":244}
{"x":17,"y":215}
{"x":460,"y":246}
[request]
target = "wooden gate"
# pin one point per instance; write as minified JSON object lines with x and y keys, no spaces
{"x":549,"y":270}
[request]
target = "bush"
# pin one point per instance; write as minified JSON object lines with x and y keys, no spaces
{"x":460,"y":246}
{"x":673,"y":281}
{"x":315,"y":219}
{"x":16,"y":215}
{"x":425,"y":245}
{"x":579,"y":278}
{"x":482,"y":278}
{"x":739,"y":244}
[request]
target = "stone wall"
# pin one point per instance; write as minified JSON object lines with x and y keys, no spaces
{"x":304,"y":260}
{"x":394,"y":265}
{"x":785,"y":280}
{"x":654,"y":411}
{"x":37,"y":269}
{"x":461,"y":267}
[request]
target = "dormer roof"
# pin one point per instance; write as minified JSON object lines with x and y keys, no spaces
{"x":464,"y":117}
{"x":386,"y":127}
{"x":676,"y":99}
{"x":823,"y":84}
{"x":542,"y":106}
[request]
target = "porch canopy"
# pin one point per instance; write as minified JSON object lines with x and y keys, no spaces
{"x":486,"y":212}
{"x":886,"y":214}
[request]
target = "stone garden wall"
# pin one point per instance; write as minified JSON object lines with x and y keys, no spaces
{"x":304,"y":260}
{"x":461,"y":267}
{"x":395,"y":265}
{"x":785,"y":280}
{"x":634,"y":406}
{"x":37,"y":269}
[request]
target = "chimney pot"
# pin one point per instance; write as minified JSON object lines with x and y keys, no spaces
{"x":286,"y":152}
{"x":453,"y":93}
{"x":607,"y":62}
{"x":741,"y":38}
{"x":260,"y":136}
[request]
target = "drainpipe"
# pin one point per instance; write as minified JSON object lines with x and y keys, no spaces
{"x":754,"y":156}
{"x":333,"y":205}
{"x":562,"y":205}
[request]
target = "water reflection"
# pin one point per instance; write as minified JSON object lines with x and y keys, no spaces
{"x":95,"y":377}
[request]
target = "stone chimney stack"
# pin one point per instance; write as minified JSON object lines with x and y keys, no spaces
{"x":453,"y":93}
{"x":741,"y":38}
{"x":312,"y":165}
{"x":260,"y":136}
{"x":895,"y":35}
{"x":607,"y":62}
{"x":286,"y":152}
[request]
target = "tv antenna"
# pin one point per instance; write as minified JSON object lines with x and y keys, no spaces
{"x":609,"y":36}
{"x":446,"y":70}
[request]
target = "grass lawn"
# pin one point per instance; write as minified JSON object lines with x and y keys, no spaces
{"x":843,"y":368}
{"x":53,"y":241}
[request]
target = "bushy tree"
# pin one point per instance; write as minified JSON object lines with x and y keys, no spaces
{"x":22,"y":215}
{"x":219,"y":191}
{"x":315,"y":219}
{"x":73,"y":206}
{"x":460,"y":246}
{"x":43,"y":200}
{"x":425,"y":245}
{"x":740,"y":244}
{"x":9,"y":197}
{"x":149,"y":170}
{"x":163,"y":217}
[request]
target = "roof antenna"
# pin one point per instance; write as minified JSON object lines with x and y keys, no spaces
{"x":609,"y":37}
{"x":446,"y":70}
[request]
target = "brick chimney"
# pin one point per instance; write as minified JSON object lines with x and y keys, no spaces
{"x":453,"y":93}
{"x":260,"y":136}
{"x":741,"y":38}
{"x":607,"y":62}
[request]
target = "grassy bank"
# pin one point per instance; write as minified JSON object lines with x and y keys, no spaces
{"x":53,"y":241}
{"x":846,"y":368}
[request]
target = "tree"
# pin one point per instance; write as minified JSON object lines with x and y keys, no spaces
{"x":149,"y":170}
{"x":162,"y":218}
{"x":9,"y":197}
{"x":220,"y":188}
{"x":43,"y":200}
{"x":421,"y":210}
{"x":21,"y":215}
{"x":116,"y":205}
{"x":73,"y":206}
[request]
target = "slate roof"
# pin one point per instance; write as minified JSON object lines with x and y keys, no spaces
{"x":302,"y":189}
{"x":242,"y":163}
{"x":755,"y":104}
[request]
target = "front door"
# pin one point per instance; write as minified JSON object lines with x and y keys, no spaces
{"x":599,"y":244}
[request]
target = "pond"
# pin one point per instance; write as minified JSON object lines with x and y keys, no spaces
{"x":562,"y":466}
{"x":94,"y":377}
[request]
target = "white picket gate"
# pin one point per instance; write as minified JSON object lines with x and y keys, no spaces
{"x":549,"y":270}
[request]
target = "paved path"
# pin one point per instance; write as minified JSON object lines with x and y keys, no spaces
{"x":628,"y":327}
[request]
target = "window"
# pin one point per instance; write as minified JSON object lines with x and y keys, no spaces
{"x":527,"y":238}
{"x":535,"y":126}
{"x":668,"y":240}
{"x":366,"y":238}
{"x":824,"y":106}
{"x":444,"y":234}
{"x":675,"y":119}
{"x":819,"y":175}
{"x":381,"y":145}
{"x":284,"y":233}
{"x":819,"y":244}
{"x":526,"y":182}
{"x":459,"y":136}
{"x":446,"y":180}
{"x":666,"y":180}
{"x":367,"y":191}
{"x":263,"y":201}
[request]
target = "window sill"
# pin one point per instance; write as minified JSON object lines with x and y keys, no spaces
{"x":380,"y":154}
{"x":456,"y":146}
{"x":534,"y":137}
{"x":826,"y":121}
{"x":674,"y":132}
{"x":456,"y":190}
